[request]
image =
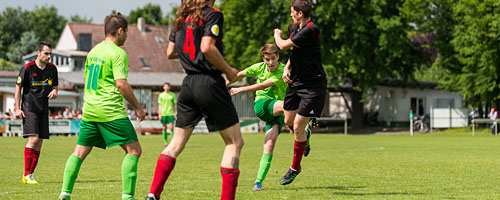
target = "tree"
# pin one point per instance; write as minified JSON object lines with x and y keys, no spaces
{"x":13,"y":22}
{"x":7,"y":65}
{"x":46,"y":23}
{"x":150,"y":12}
{"x":78,"y":19}
{"x":366,"y":42}
{"x":248,"y":25}
{"x":27,"y":44}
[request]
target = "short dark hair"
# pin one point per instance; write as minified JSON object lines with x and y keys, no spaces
{"x":268,"y":49}
{"x":166,"y":83}
{"x":302,"y":5}
{"x":42,"y":44}
{"x":113,"y":22}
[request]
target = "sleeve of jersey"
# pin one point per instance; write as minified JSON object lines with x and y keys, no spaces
{"x":174,"y":99}
{"x":55,"y":82}
{"x":171,"y":37}
{"x":120,"y":66}
{"x":303,"y":37}
{"x":214,"y":24}
{"x":252,"y":71}
{"x":21,"y":79}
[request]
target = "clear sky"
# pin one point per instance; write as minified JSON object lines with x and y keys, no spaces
{"x":95,"y":9}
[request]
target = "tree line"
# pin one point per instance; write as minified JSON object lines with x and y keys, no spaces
{"x":455,"y":43}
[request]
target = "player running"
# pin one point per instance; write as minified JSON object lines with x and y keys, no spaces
{"x":105,"y":122}
{"x":39,"y":81}
{"x":306,"y":78}
{"x":197,"y":41}
{"x":167,"y":111}
{"x":270,"y":92}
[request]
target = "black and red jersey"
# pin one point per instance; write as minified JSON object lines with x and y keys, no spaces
{"x":187,"y":41}
{"x":37,"y":84}
{"x":305,"y":60}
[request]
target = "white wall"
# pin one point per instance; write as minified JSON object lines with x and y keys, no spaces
{"x":393,"y":104}
{"x":66,"y":40}
{"x":9,"y":102}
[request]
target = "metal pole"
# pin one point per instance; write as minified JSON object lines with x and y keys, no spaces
{"x":472,"y":127}
{"x":411,"y":122}
{"x":345,"y":125}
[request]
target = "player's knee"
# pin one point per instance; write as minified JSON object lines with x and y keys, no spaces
{"x":239,"y":143}
{"x":136,"y":152}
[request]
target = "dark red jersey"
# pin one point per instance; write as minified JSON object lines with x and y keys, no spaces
{"x":305,"y":60}
{"x":37,"y":84}
{"x":187,"y":41}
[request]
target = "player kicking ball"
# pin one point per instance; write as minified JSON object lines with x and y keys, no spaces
{"x":270,"y":92}
{"x":306,"y":78}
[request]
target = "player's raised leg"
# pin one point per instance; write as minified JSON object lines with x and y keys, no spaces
{"x":166,"y":161}
{"x":300,"y":124}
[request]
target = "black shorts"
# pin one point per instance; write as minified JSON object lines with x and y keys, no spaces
{"x":205,"y":96}
{"x":307,"y":99}
{"x":36,"y":124}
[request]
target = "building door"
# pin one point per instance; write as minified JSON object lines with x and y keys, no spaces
{"x":417,"y":106}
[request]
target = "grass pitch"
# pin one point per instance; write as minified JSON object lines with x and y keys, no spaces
{"x":445,"y":165}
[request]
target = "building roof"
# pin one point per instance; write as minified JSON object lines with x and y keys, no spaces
{"x":149,"y":46}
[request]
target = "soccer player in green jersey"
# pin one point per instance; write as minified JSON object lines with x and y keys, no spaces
{"x":270,"y":92}
{"x":105,"y":122}
{"x":167,"y":110}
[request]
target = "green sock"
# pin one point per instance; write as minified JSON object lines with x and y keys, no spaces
{"x":265,"y":164}
{"x":165,"y":136}
{"x":71,"y":173}
{"x":171,"y":132}
{"x":129,"y":174}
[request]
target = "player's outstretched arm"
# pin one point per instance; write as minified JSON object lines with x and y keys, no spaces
{"x":213,"y":56}
{"x":254,"y":87}
{"x":239,"y":76}
{"x":171,"y":53}
{"x":127,"y":93}
{"x":286,"y":73}
{"x":282,"y":44}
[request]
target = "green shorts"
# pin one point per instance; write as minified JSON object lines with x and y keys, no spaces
{"x":167,"y":119}
{"x":264,"y":110}
{"x":106,"y":134}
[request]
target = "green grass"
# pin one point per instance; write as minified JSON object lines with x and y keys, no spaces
{"x":430,"y":166}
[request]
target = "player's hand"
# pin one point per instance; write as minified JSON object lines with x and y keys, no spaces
{"x":140,"y":114}
{"x":19,"y":113}
{"x":286,"y":76}
{"x":52,"y":94}
{"x":235,"y":91}
{"x":277,"y":32}
{"x":231,"y":75}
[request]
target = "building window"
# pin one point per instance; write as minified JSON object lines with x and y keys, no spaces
{"x":417,"y":106}
{"x":144,"y":63}
{"x":445,"y":103}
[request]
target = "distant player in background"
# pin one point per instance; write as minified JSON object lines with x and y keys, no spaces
{"x":268,"y":103}
{"x":167,"y":111}
{"x":105,"y":122}
{"x":39,"y":81}
{"x":306,"y":78}
{"x":197,"y":41}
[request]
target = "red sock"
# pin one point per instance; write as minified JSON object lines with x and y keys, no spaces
{"x":164,"y":166}
{"x":298,"y":151}
{"x":28,"y":159}
{"x":36,"y":155}
{"x":229,"y":182}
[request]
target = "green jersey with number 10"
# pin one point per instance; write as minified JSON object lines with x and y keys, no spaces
{"x":103,"y":102}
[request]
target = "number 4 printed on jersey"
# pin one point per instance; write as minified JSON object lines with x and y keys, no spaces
{"x":189,"y":44}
